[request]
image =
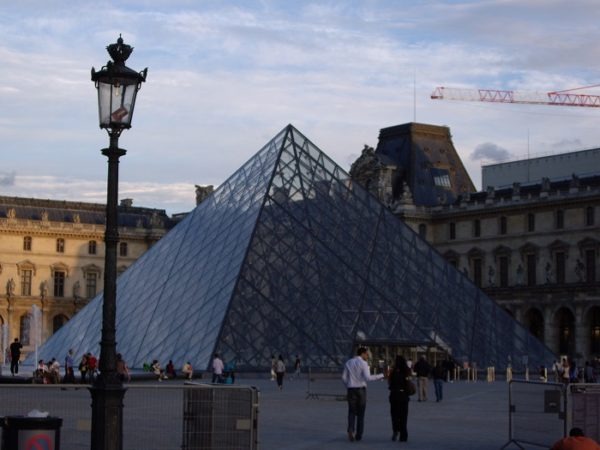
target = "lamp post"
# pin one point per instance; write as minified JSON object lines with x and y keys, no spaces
{"x":117,"y":87}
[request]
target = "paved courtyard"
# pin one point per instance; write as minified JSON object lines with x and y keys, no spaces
{"x":472,"y":416}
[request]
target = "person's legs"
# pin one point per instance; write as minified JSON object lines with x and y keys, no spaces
{"x":395,"y":415}
{"x":360,"y":417}
{"x":403,"y":407}
{"x":353,"y":401}
{"x":422,"y":388}
{"x":438,"y":389}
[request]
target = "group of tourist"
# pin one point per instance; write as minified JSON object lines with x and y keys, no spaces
{"x":566,"y":371}
{"x":169,"y":372}
{"x":357,"y":373}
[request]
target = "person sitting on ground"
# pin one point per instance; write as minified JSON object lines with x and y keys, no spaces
{"x":576,"y":441}
{"x":187,"y":370}
{"x":158,"y":371}
{"x":41,"y":372}
{"x":92,"y":363}
{"x":122,"y":369}
{"x":171,"y":370}
{"x":54,"y":371}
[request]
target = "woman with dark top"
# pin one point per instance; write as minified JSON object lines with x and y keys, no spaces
{"x":399,"y":396}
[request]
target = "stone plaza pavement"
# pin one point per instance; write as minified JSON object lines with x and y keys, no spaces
{"x":472,"y":416}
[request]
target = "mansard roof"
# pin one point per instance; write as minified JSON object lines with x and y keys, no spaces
{"x":81,"y":212}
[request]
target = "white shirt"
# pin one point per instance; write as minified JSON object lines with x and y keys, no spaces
{"x":357,"y":373}
{"x":218,"y":366}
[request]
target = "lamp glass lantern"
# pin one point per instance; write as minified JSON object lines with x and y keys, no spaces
{"x":117,"y":87}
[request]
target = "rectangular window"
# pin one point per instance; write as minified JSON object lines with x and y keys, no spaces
{"x":503,"y":227}
{"x":590,"y":266}
{"x":27,"y":243}
{"x":92,"y":247}
{"x":589,"y":216}
{"x":560,"y":219}
{"x":91,"y":284}
{"x":59,"y":284}
{"x":60,"y":245}
{"x":123,"y":249}
{"x":531,"y":270}
{"x":530,"y":222}
{"x":560,"y":266}
{"x":476,"y":228}
{"x":503,"y":265}
{"x":452,"y":231}
{"x":477,"y":271}
{"x":25,"y":282}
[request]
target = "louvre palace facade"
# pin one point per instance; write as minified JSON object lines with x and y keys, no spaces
{"x":532,"y":245}
{"x":52,"y":256}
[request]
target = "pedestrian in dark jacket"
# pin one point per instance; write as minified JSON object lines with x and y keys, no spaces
{"x":398,"y":382}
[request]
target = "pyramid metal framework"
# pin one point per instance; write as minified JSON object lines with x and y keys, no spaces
{"x":289,"y":256}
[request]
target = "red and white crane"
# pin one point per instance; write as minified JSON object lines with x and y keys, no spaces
{"x":557,"y":98}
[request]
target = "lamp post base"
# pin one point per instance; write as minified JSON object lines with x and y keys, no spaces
{"x":107,"y":416}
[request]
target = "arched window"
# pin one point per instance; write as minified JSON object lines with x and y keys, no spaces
{"x":58,"y":321}
{"x":535,"y":323}
{"x":25,"y":329}
{"x":566,"y":331}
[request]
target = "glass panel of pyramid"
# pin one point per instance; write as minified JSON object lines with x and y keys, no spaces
{"x":289,"y":256}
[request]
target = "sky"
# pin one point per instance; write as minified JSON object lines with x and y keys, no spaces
{"x":224,"y":77}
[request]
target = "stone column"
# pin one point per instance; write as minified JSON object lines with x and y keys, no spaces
{"x":581,"y":343}
{"x":550,"y":330}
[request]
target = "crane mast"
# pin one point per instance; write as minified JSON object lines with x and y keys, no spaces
{"x":556,"y":98}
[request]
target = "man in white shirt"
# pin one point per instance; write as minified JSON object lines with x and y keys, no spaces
{"x":355,"y":377}
{"x":217,"y":367}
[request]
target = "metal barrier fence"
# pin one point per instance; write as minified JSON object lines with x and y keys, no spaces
{"x":584,"y":408}
{"x":155,"y":417}
{"x":537,"y":413}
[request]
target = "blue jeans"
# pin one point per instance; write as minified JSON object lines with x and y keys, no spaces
{"x":357,"y":403}
{"x":439,"y":389}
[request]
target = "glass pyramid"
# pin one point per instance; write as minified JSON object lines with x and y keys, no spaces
{"x":289,"y":256}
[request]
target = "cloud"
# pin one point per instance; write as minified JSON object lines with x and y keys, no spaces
{"x":490,"y":152}
{"x":567,"y":144}
{"x":7,"y":179}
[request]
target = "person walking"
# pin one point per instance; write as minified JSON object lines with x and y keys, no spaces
{"x":439,"y":378}
{"x":280,"y":372}
{"x":15,"y":356}
{"x":422,"y":370}
{"x":398,"y":382}
{"x":355,"y":376}
{"x":217,"y":367}
{"x":576,"y":441}
{"x":297,"y":367}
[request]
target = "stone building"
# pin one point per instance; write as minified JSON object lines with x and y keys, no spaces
{"x":52,"y":256}
{"x":533,"y":247}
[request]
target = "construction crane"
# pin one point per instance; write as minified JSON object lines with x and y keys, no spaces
{"x":557,"y":98}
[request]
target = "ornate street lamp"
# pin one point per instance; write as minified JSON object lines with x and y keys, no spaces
{"x":117,"y":87}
